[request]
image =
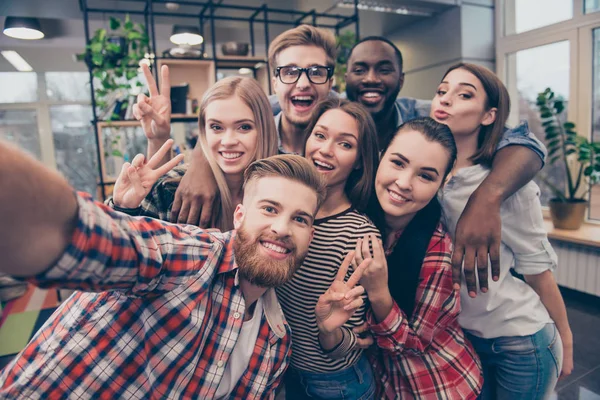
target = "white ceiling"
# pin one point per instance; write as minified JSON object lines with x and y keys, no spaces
{"x":62,"y":21}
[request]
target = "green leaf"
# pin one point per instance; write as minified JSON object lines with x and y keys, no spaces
{"x":570,"y":151}
{"x":546,"y":115}
{"x":569,"y":125}
{"x":554,"y":159}
{"x":588,"y":171}
{"x":559,"y":106}
{"x":134,"y":36}
{"x":116,"y":153}
{"x":128,"y":24}
{"x":553,"y":151}
{"x":97,"y":59}
{"x":115,"y":23}
{"x":130,"y":74}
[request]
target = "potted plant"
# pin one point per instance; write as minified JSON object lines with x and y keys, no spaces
{"x":581,"y":160}
{"x":114,"y":56}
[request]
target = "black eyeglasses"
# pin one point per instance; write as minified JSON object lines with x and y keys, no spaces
{"x":317,"y":74}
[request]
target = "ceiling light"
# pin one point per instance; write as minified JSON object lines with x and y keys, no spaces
{"x":23,"y":28}
{"x":245,"y":71}
{"x":186,"y":35}
{"x":385,"y":7}
{"x":17,"y":61}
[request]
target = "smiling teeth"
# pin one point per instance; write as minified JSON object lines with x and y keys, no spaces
{"x":371,"y":94}
{"x":274,"y":247}
{"x":322,"y":164}
{"x":231,"y":156}
{"x":302,"y":98}
{"x":397,"y":196}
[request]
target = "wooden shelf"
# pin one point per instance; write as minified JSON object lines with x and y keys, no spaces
{"x":587,"y":235}
{"x":117,"y":124}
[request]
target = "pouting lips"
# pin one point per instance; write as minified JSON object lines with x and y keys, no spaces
{"x":323,"y":165}
{"x":231,"y":156}
{"x":305,"y":101}
{"x":276,"y":248}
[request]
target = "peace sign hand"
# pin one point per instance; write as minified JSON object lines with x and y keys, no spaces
{"x":342,"y":299}
{"x":136,"y":179}
{"x":154,"y":112}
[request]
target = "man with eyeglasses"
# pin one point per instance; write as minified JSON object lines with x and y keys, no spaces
{"x":302,"y":60}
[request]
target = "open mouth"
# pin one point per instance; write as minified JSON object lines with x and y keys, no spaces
{"x":398,"y":198}
{"x":323,"y":166}
{"x":371,"y":96}
{"x":231,"y":156}
{"x":275,"y":250}
{"x":303,"y":102}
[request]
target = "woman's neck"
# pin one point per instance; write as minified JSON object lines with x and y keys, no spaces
{"x":235,"y":183}
{"x":395,"y":224}
{"x":335,"y":202}
{"x":466,"y":146}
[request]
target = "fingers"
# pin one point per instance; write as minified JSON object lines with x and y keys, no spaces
{"x":150,"y":80}
{"x":143,"y":106}
{"x":183,"y":213}
{"x":206,"y":213}
{"x":343,"y":270}
{"x":124,"y":176}
{"x":354,"y":304}
{"x":495,"y":260}
{"x":165,"y":82}
{"x":135,"y":179}
{"x":377,"y":246}
{"x":330,"y":297}
{"x":469,"y":271}
{"x":138,"y":161}
{"x":482,"y":268}
{"x":160,"y":154}
{"x":355,"y":292}
{"x":358,"y":272}
{"x":176,"y":206}
{"x":365,"y":342}
{"x":194,"y":214}
{"x":457,"y":263}
{"x":366,"y":252}
{"x":358,"y":251}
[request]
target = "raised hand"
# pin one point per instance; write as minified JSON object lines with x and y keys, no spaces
{"x":154,"y":112}
{"x":136,"y":179}
{"x":375,"y":278}
{"x":342,"y":299}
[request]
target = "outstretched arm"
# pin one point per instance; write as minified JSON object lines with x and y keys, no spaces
{"x":478,"y":229}
{"x":38,"y":210}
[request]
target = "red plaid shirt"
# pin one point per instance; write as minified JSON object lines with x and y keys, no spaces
{"x":428,"y":356}
{"x":163,"y":326}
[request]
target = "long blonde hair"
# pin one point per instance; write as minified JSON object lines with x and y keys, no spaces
{"x":250,"y":92}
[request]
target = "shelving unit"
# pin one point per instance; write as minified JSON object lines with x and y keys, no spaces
{"x":200,"y":74}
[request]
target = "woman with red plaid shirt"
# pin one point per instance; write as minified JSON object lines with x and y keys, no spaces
{"x":421,"y":350}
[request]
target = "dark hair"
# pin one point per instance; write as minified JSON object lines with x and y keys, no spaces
{"x":379,"y":39}
{"x":404,"y":264}
{"x":360,"y":182}
{"x":497,"y":97}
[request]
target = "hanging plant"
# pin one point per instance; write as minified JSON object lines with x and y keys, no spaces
{"x":113,"y":56}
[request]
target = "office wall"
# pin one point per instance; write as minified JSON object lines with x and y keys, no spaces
{"x":429,"y":47}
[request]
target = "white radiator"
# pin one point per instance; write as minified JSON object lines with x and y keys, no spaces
{"x":578,"y":267}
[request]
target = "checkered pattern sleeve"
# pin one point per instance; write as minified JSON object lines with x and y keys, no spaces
{"x":141,"y":256}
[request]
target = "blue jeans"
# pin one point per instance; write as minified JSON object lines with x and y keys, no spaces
{"x":520,"y":367}
{"x":356,"y":383}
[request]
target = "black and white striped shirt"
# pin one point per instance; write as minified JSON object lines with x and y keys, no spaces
{"x":334,"y":237}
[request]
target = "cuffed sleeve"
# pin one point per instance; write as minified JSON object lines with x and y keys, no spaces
{"x":522,"y":136}
{"x":347,"y":344}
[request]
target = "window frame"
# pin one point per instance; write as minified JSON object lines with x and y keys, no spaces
{"x":578,"y":31}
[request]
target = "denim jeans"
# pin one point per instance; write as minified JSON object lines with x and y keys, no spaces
{"x":356,"y":383}
{"x":520,"y":367}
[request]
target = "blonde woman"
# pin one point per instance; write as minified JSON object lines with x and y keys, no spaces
{"x":236,"y":128}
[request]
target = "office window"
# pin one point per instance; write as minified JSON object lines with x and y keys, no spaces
{"x":18,"y":87}
{"x":525,"y":15}
{"x":536,"y":69}
{"x":68,"y":86}
{"x":591,"y":6}
{"x":595,"y":190}
{"x":75,"y":145}
{"x":20,"y":127}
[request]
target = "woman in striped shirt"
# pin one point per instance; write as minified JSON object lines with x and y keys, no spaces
{"x":341,"y":141}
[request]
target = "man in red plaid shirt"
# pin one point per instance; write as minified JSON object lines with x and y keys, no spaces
{"x":169,"y":311}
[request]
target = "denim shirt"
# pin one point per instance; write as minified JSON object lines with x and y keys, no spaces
{"x":408,"y":108}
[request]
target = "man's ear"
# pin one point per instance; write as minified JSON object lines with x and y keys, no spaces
{"x":489,"y":117}
{"x":312,"y":233}
{"x":401,"y":80}
{"x":274,"y":84}
{"x":238,"y":216}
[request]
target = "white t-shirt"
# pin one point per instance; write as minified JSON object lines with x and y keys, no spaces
{"x":510,"y":307}
{"x":242,"y":352}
